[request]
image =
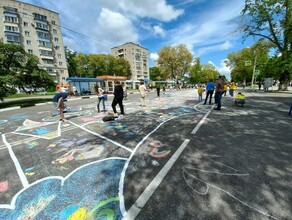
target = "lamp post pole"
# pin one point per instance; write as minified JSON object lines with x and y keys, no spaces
{"x":254,"y":69}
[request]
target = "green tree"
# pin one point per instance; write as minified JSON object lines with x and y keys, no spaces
{"x":203,"y":73}
{"x":272,"y":20}
{"x":256,"y":55}
{"x":155,"y":74}
{"x":19,"y":69}
{"x":71,"y":62}
{"x":175,"y":62}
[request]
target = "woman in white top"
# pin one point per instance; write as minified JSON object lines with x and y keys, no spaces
{"x":100,"y":93}
{"x":142,"y":90}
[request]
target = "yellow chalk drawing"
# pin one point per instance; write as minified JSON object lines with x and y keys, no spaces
{"x":80,"y":214}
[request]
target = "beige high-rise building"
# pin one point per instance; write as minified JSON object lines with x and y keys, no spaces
{"x":38,"y":31}
{"x":138,"y":58}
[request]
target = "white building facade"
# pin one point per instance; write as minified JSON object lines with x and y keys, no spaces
{"x":38,"y":31}
{"x":138,"y":58}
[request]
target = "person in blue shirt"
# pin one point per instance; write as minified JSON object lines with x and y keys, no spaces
{"x":58,"y":101}
{"x":209,"y":91}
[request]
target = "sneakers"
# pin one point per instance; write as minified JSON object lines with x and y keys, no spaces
{"x":116,"y":115}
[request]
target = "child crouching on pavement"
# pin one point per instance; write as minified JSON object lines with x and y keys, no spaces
{"x":239,"y":99}
{"x":58,"y":101}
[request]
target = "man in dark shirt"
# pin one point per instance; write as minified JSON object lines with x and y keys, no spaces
{"x":218,"y":92}
{"x":118,"y":98}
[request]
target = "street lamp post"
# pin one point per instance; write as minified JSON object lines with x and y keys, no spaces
{"x":254,"y":69}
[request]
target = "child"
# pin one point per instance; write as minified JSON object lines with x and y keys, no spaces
{"x":58,"y":101}
{"x":239,"y":99}
{"x":200,"y":93}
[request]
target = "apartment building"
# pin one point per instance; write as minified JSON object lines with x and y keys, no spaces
{"x":138,"y":58}
{"x":38,"y":31}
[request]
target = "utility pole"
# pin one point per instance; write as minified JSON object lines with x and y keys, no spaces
{"x":254,"y":69}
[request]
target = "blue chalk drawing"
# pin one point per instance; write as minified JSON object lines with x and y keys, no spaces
{"x":57,"y":197}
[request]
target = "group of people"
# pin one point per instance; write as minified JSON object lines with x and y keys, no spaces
{"x":220,"y":88}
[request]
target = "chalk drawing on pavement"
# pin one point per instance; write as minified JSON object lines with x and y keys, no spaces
{"x":91,"y":190}
{"x":198,"y":185}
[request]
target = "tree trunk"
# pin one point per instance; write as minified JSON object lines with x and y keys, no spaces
{"x":284,"y":81}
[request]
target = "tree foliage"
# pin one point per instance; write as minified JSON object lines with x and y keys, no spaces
{"x":174,"y":62}
{"x":202,"y":73}
{"x":19,"y":69}
{"x":155,"y":74}
{"x":257,"y":57}
{"x":94,"y":65}
{"x":272,"y":20}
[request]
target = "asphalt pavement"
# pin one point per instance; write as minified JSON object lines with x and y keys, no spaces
{"x":174,"y":159}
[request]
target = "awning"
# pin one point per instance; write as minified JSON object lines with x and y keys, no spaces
{"x":83,"y":79}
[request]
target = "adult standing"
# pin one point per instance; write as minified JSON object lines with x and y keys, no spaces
{"x":158,"y":89}
{"x":142,"y":91}
{"x":218,"y":92}
{"x":58,"y":101}
{"x":74,"y":90}
{"x":232,"y":87}
{"x":210,"y":90}
{"x":118,"y":98}
{"x":100,"y":94}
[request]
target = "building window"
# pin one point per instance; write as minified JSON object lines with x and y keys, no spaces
{"x":42,"y":26}
{"x":60,"y":64}
{"x":25,"y":24}
{"x":40,"y":17}
{"x":46,"y":53}
{"x":45,"y":44}
{"x":53,"y":23}
{"x":55,"y":31}
{"x":62,"y":71}
{"x":13,"y":39}
{"x":30,"y":51}
{"x":25,"y":15}
{"x":26,"y":33}
{"x":12,"y":29}
{"x":11,"y":19}
{"x":43,"y":35}
{"x":28,"y":42}
{"x":59,"y":56}
{"x":57,"y":47}
{"x":56,"y":39}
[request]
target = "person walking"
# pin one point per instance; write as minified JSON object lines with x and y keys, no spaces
{"x":100,"y":95}
{"x":200,"y":93}
{"x":118,"y":98}
{"x":218,"y":92}
{"x":210,"y":90}
{"x":142,"y":91}
{"x":158,"y":90}
{"x":290,"y":110}
{"x":58,"y":101}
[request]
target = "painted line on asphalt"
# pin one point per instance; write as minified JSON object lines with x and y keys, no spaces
{"x":19,"y":170}
{"x":201,"y":122}
{"x":9,"y":109}
{"x":145,"y":196}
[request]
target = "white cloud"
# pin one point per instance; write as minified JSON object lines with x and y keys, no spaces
{"x":159,"y":31}
{"x":156,"y":9}
{"x":224,"y":70}
{"x":154,"y":56}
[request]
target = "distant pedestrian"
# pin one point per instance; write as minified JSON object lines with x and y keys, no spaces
{"x":125,"y":92}
{"x":290,"y":110}
{"x":74,"y":90}
{"x":232,"y":88}
{"x":58,"y":101}
{"x":158,"y":90}
{"x":101,"y":98}
{"x":200,"y":93}
{"x":218,"y":92}
{"x":225,"y":89}
{"x":142,"y":91}
{"x":210,"y":90}
{"x":118,"y":98}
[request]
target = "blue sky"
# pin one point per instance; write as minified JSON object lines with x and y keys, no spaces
{"x":207,"y":27}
